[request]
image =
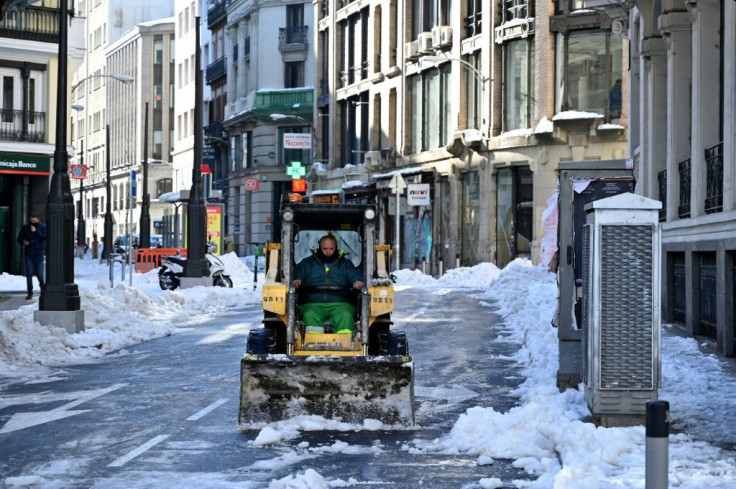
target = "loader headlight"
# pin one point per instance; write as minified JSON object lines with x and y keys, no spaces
{"x":288,"y":215}
{"x":369,"y":214}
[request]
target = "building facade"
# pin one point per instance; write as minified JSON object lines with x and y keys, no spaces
{"x":261,"y":74}
{"x":29,"y":64}
{"x":683,"y":133}
{"x":480,"y":100}
{"x":127,"y":63}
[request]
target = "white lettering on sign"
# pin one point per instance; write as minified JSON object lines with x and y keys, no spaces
{"x":295,"y":140}
{"x":418,"y":194}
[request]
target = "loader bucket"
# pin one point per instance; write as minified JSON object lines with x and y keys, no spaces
{"x":351,"y":389}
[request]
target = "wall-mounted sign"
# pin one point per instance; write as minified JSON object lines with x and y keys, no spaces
{"x":22,"y":164}
{"x":297,"y":140}
{"x":251,"y":185}
{"x":417,"y":194}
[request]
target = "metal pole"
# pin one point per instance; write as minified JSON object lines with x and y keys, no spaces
{"x":145,"y":221}
{"x":107,"y":246}
{"x":196,"y":265}
{"x":398,"y":235}
{"x":81,"y":230}
{"x":60,"y":292}
{"x":657,"y":444}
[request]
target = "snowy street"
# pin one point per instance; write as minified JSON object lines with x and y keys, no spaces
{"x":147,"y":396}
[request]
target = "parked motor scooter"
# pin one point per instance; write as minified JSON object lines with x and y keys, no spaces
{"x":172,"y":269}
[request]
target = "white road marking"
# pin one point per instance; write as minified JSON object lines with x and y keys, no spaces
{"x":19,"y":421}
{"x":208,"y":409}
{"x":138,"y":451}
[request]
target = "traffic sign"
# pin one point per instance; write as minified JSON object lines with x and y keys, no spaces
{"x":133,"y":186}
{"x":79,"y":172}
{"x":397,"y":184}
{"x":251,"y":185}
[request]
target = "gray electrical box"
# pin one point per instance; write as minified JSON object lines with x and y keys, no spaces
{"x":621,"y":314}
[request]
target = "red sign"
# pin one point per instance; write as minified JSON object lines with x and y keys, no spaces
{"x":205,"y":168}
{"x":251,"y":185}
{"x":299,"y":185}
{"x":78,"y":172}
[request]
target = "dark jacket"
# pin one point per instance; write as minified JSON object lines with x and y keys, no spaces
{"x":313,"y":272}
{"x":36,"y":239}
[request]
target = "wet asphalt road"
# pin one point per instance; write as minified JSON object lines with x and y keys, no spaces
{"x":164,"y":415}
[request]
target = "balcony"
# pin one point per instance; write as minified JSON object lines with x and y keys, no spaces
{"x":293,"y":38}
{"x":292,"y":101}
{"x":714,"y":179}
{"x":684,"y":207}
{"x":217,"y":13}
{"x":33,"y":24}
{"x":16,"y":125}
{"x":216,"y":70}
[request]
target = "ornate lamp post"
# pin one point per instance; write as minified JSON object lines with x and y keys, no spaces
{"x":145,"y":220}
{"x":196,"y":267}
{"x":59,"y":303}
{"x":81,"y":226}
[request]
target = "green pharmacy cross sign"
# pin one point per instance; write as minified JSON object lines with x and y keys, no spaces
{"x":296,"y":170}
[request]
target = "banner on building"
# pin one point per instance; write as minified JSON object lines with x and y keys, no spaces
{"x":418,"y":194}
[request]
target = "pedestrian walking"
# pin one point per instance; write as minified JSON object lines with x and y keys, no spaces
{"x":32,"y":237}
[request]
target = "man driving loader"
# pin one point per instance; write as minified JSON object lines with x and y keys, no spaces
{"x":327,"y":267}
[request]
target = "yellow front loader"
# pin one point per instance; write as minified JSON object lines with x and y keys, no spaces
{"x":287,"y":372}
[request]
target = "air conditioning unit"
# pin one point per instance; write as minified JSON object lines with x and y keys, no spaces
{"x":372,"y":159}
{"x":441,"y":36}
{"x":411,"y":50}
{"x":425,"y":42}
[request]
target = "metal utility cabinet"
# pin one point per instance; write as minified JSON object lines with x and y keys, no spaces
{"x":621,"y":314}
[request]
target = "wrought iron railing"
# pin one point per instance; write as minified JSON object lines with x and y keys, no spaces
{"x":679,"y":288}
{"x":295,"y":36}
{"x":684,"y":169}
{"x":17,"y":125}
{"x":662,"y":180}
{"x":32,"y":23}
{"x":217,"y":12}
{"x":216,"y":70}
{"x":714,"y":179}
{"x":707,"y":295}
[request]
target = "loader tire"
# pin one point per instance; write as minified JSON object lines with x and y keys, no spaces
{"x":394,"y":343}
{"x":261,"y":341}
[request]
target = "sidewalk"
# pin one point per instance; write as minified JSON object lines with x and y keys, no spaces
{"x":15,"y":299}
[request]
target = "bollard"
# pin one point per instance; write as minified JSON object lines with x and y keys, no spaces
{"x":440,"y":267}
{"x":457,"y":260}
{"x":424,"y":266}
{"x":657,"y":444}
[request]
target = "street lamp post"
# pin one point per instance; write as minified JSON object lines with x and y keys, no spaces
{"x":107,"y":229}
{"x":60,"y":303}
{"x":279,"y":117}
{"x":478,"y":75}
{"x":145,"y":220}
{"x":81,"y":226}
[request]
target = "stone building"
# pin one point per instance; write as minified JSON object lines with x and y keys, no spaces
{"x":682,"y":139}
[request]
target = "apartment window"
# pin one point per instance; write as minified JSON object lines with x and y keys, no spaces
{"x":8,"y":98}
{"x":157,"y":145}
{"x":158,"y":50}
{"x":519,"y":103}
{"x":432,"y":122}
{"x":163,"y":186}
{"x":515,"y":10}
{"x":588,"y":64}
{"x":294,"y":74}
{"x":295,"y":15}
{"x":473,"y":18}
{"x":424,"y":16}
{"x":474,"y":90}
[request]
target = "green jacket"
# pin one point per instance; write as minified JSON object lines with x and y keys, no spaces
{"x":341,"y":272}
